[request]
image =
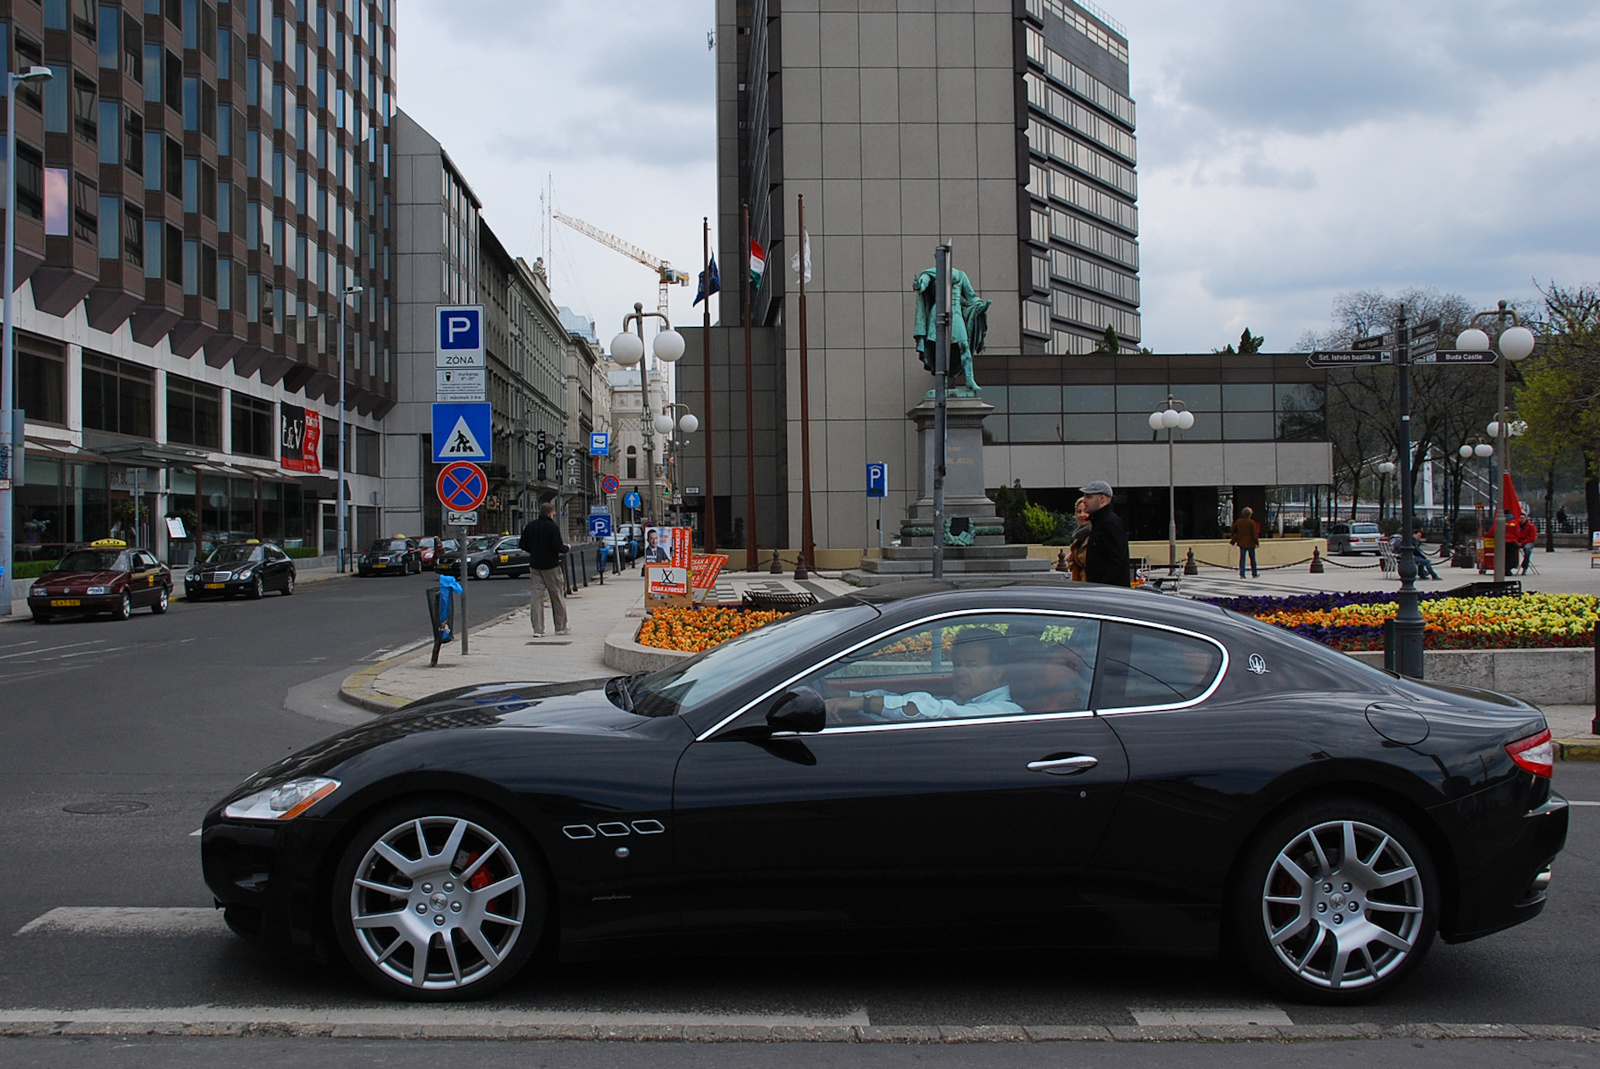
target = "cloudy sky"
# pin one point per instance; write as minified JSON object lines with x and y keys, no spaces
{"x":1289,"y":150}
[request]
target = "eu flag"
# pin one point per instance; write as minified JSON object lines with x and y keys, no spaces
{"x":715,"y":285}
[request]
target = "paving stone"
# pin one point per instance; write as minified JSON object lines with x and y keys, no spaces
{"x":987,"y":1033}
{"x":1137,"y":1033}
{"x":728,"y":1033}
{"x":897,"y":1034}
{"x":814,"y":1033}
{"x":552,"y":1031}
{"x":1236,"y":1032}
{"x":1068,"y":1033}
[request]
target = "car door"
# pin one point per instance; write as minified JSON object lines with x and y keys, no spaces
{"x":144,"y":581}
{"x":963,"y":824}
{"x":511,"y":556}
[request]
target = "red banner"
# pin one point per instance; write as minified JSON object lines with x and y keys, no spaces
{"x":300,"y":439}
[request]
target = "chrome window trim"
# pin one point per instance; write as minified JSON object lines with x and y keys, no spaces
{"x":1222,"y":671}
{"x":966,"y":721}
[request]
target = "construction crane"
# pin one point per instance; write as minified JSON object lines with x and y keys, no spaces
{"x":669,"y":275}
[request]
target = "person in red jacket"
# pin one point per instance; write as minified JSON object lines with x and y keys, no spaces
{"x":1529,"y":537}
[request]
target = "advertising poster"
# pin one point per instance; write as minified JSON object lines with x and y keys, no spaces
{"x":667,"y":555}
{"x":300,"y":439}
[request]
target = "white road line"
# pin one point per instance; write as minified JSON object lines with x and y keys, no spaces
{"x":92,"y":653}
{"x":195,"y":833}
{"x":48,"y":650}
{"x":128,"y":920}
{"x":304,"y":1016}
{"x":1571,"y":802}
{"x":1260,"y":1015}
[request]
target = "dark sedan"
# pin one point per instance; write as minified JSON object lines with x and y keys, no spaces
{"x":487,"y":556}
{"x":250,"y":568}
{"x":391,"y":556}
{"x":936,"y":766}
{"x":106,"y":576}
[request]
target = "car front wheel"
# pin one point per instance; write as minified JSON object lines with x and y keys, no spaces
{"x":160,"y":605}
{"x":255,"y":590}
{"x":481,"y":570}
{"x":124,"y":609}
{"x":438,"y":900}
{"x":1336,"y":903}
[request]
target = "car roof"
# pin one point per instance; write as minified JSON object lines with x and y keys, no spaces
{"x":1141,"y":603}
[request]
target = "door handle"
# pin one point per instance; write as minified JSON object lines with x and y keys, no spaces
{"x":1064,"y":766}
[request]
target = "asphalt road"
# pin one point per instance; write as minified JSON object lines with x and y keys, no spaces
{"x":145,"y":723}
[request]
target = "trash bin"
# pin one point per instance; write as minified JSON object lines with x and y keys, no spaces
{"x":441,"y":611}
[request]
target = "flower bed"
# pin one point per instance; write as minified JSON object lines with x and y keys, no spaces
{"x":1354,"y":622}
{"x":693,"y":630}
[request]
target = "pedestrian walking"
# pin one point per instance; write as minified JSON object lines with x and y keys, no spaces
{"x":1246,"y":535}
{"x":1077,"y":552}
{"x":1106,"y":556}
{"x":541,"y":540}
{"x":1561,"y":520}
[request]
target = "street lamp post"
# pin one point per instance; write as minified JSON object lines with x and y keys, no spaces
{"x":1174,"y":415}
{"x":1385,"y":469}
{"x":344,"y":301}
{"x":8,"y":419}
{"x":1515,"y":343}
{"x":627,"y":350}
{"x":688,"y":423}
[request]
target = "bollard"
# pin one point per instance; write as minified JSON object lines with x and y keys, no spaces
{"x":1316,"y":561}
{"x":777,"y":565}
{"x":1061,"y":562}
{"x":1189,"y":565}
{"x":800,"y":567}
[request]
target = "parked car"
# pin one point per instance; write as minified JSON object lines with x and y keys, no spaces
{"x":391,"y":556}
{"x":922,"y":765}
{"x":251,"y":567}
{"x":107,"y":576}
{"x":1354,"y":538}
{"x":488,"y":556}
{"x":428,"y":547}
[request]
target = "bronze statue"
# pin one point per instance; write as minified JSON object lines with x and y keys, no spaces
{"x":969,"y":323}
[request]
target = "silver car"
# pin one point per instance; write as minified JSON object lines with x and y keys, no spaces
{"x":1354,"y":538}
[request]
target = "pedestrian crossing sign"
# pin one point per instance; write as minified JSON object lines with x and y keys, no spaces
{"x":462,"y":432}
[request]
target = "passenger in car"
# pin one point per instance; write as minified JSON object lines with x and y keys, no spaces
{"x":977,"y":681}
{"x":1050,"y":677}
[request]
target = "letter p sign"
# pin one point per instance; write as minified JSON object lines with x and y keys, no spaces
{"x":460,"y":328}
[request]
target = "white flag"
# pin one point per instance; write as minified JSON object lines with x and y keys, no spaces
{"x":805,"y":251}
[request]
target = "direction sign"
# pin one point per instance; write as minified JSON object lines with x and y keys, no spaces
{"x":599,"y":510}
{"x":600,"y":444}
{"x":600,"y":525}
{"x":632,"y":499}
{"x":877,"y":478}
{"x":1458,"y":356}
{"x":460,"y":384}
{"x":462,"y":519}
{"x":462,"y":486}
{"x":1423,"y":338}
{"x":1377,"y":341}
{"x":609,"y":484}
{"x":459,"y":338}
{"x":461,"y":432}
{"x":1348,"y":358}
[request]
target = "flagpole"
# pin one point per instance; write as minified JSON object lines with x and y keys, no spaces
{"x":807,"y":546}
{"x":752,"y":545}
{"x":710,"y":515}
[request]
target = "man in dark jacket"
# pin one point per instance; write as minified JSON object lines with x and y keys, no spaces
{"x":541,"y":540}
{"x":1108,"y":539}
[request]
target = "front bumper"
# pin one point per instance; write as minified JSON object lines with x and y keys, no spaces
{"x":67,"y":604}
{"x":205,"y":586}
{"x":271,"y":880}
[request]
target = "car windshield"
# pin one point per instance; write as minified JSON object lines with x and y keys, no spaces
{"x":389,"y":545}
{"x":94,"y":560}
{"x":233,"y":554}
{"x":481,"y":543}
{"x":705,"y":677}
{"x":1365,"y":528}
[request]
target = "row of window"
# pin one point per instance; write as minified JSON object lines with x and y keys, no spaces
{"x":1082,"y":158}
{"x":1076,"y":19}
{"x":1057,"y":224}
{"x":1092,"y":313}
{"x":1075,"y":191}
{"x":1076,"y":77}
{"x":1255,"y":411}
{"x":1075,"y":269}
{"x":1075,"y":116}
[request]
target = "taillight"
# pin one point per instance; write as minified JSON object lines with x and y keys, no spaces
{"x":1536,"y":754}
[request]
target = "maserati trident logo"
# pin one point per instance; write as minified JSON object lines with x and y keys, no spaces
{"x":1258,"y":664}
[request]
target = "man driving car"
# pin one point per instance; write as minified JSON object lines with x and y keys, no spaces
{"x":977,"y":684}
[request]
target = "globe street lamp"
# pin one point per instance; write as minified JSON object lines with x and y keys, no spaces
{"x":1515,"y":343}
{"x":628,"y":350}
{"x":1174,"y":415}
{"x":688,"y":423}
{"x":1385,"y":470}
{"x":8,"y":420}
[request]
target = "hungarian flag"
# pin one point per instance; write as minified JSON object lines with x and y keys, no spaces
{"x":1508,"y":494}
{"x":758,"y":264}
{"x":713,"y":286}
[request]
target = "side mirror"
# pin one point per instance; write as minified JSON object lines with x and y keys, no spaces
{"x":800,"y":709}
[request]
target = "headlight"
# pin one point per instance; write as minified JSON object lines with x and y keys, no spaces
{"x":98,"y":589}
{"x":245,"y":574}
{"x":283,"y":802}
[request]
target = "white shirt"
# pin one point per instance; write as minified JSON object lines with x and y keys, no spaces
{"x":996,"y":702}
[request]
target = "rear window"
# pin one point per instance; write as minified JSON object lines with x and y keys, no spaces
{"x":1365,"y":528}
{"x":1141,"y":666}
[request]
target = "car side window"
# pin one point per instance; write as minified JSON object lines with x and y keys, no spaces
{"x":1143,"y":666}
{"x":958,"y":668}
{"x":144,"y":561}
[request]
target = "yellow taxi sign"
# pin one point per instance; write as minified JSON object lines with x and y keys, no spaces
{"x":109,"y":543}
{"x":399,"y":536}
{"x":252,"y":541}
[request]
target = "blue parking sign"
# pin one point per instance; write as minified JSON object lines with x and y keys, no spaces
{"x":877,"y":478}
{"x":599,"y":444}
{"x":461,"y":328}
{"x":600,"y":526}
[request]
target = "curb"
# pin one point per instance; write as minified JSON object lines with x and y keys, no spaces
{"x":67,"y":1025}
{"x":358,"y":690}
{"x":627,"y":656}
{"x":1578,"y":749}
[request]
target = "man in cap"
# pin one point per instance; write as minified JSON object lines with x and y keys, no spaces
{"x":1108,"y":539}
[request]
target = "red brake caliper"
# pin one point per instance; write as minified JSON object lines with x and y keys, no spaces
{"x":480,"y":879}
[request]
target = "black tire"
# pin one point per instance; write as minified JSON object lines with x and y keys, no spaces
{"x":124,"y":609}
{"x":288,"y":584}
{"x":41,"y":618}
{"x":160,"y":604}
{"x":255,"y":590}
{"x":482,"y":570}
{"x":386,"y":957}
{"x":1287,"y":928}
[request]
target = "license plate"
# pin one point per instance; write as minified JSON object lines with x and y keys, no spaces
{"x":65,"y":603}
{"x":216,"y":586}
{"x":380,"y":566}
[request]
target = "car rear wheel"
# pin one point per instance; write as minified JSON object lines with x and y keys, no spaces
{"x":481,"y":570}
{"x":1336,"y":903}
{"x":124,"y":608}
{"x":288,"y":584}
{"x":438,"y":900}
{"x":160,"y":605}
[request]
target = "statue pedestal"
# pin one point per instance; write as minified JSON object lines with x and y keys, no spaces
{"x":974,"y":537}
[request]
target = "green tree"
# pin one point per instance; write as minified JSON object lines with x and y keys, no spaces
{"x":1249,"y":344}
{"x":1109,"y":342}
{"x":1559,"y":395}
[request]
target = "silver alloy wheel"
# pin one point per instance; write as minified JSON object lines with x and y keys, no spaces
{"x":125,"y":607}
{"x":160,"y":605}
{"x":1342,"y":905}
{"x":288,"y":585}
{"x":482,"y":570}
{"x":437,"y":903}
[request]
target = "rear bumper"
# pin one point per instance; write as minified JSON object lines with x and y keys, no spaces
{"x":1509,"y":886}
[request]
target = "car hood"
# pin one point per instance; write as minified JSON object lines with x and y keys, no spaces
{"x":77,"y":579}
{"x":569,"y":708}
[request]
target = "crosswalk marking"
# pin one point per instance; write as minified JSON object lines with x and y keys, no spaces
{"x":1261,"y":1015}
{"x":128,"y":920}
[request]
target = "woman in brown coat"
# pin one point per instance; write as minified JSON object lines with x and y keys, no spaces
{"x":1246,"y":535}
{"x":1076,"y":553}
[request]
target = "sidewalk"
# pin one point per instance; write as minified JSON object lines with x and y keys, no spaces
{"x":504,"y":649}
